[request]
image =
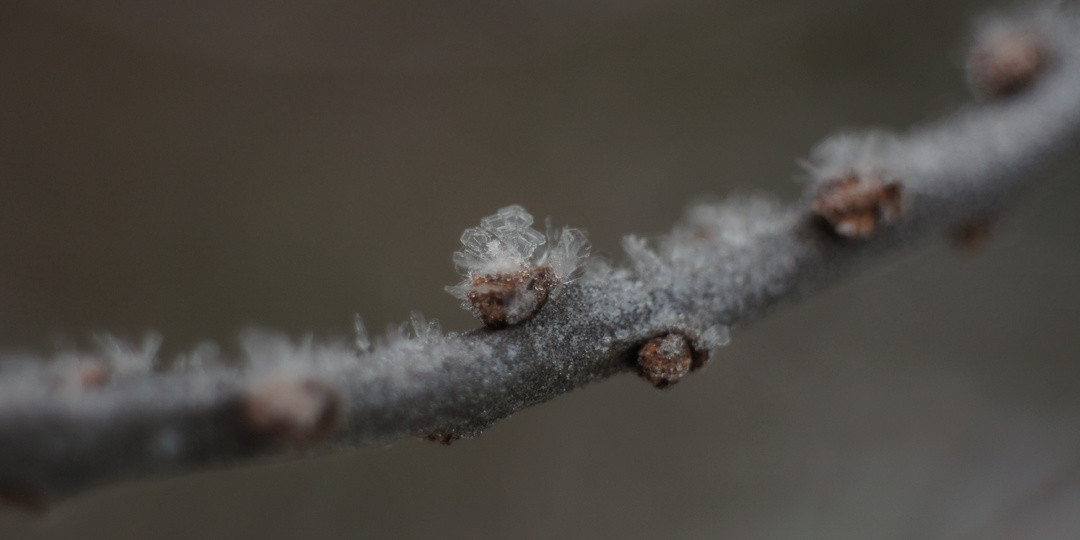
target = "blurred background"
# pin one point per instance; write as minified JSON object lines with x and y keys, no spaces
{"x":196,"y":168}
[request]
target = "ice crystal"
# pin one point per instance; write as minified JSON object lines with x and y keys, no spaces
{"x":361,"y":339}
{"x":645,"y":260}
{"x":715,"y":336}
{"x":564,"y":252}
{"x":124,"y":357}
{"x":849,"y":154}
{"x":423,"y":329}
{"x":511,"y":269}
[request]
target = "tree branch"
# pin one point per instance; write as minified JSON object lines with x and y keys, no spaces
{"x":81,"y":420}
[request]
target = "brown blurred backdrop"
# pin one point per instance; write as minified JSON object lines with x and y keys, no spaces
{"x":198,"y":167}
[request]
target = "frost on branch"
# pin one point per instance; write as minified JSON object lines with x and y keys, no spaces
{"x":857,"y":205}
{"x":86,"y":419}
{"x":72,"y":373}
{"x":855,"y":195}
{"x":292,"y":410}
{"x":511,"y":269}
{"x":1009,"y":53}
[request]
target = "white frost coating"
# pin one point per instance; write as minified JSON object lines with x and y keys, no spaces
{"x":266,"y":351}
{"x":71,"y":372}
{"x":849,"y":154}
{"x":512,"y":268}
{"x":1044,"y":26}
{"x":923,"y":157}
{"x":645,"y":260}
{"x":205,"y":355}
{"x":118,"y":356}
{"x":123,"y":357}
{"x":732,"y":222}
{"x":405,"y":349}
{"x":396,"y":334}
{"x":715,"y":336}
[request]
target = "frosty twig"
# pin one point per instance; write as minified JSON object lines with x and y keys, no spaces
{"x":82,"y":420}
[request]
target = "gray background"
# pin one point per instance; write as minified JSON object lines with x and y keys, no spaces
{"x":199,"y":167}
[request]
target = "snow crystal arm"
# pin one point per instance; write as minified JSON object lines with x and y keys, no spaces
{"x":81,"y":421}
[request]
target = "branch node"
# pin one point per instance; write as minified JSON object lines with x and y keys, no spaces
{"x":856,"y":206}
{"x":665,"y":360}
{"x":511,"y":269}
{"x":1006,"y":60}
{"x":503,"y":299}
{"x":292,"y":410}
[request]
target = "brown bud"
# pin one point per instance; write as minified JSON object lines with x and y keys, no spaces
{"x":972,"y":236}
{"x":510,"y":298}
{"x":856,"y":206}
{"x":665,"y":360}
{"x":444,"y":438}
{"x":291,"y":409}
{"x":1005,"y":61}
